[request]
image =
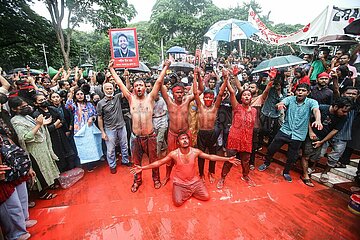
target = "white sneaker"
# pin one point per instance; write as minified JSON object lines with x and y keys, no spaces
{"x":30,"y":223}
{"x":24,"y":236}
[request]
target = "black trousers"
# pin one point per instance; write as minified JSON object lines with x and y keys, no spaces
{"x":292,"y":153}
{"x":206,"y":139}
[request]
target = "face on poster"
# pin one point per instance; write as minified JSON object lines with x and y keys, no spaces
{"x":124,"y":47}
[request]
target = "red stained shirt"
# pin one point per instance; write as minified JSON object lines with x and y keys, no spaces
{"x":241,"y":130}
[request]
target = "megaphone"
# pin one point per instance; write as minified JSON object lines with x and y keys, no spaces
{"x":52,"y":72}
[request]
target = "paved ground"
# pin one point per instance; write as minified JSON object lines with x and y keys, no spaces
{"x":101,"y":206}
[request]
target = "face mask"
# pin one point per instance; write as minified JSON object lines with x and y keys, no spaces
{"x":109,"y":95}
{"x":208,"y":103}
{"x":26,"y":111}
{"x":44,"y":104}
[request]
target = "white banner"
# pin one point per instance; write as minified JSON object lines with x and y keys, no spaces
{"x":305,"y":36}
{"x":340,"y":18}
{"x":209,"y":49}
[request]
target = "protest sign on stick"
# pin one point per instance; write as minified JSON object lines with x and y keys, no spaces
{"x":124,"y":47}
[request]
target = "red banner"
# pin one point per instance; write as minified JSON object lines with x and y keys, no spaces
{"x":124,"y":47}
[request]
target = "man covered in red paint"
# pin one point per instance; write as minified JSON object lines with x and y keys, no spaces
{"x":186,"y":182}
{"x":207,"y":136}
{"x":178,"y":109}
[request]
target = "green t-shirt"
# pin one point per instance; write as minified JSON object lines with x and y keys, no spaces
{"x":318,"y":67}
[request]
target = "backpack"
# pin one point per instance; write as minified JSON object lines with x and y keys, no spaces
{"x":15,"y":158}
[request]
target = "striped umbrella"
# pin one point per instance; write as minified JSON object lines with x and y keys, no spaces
{"x":230,"y":30}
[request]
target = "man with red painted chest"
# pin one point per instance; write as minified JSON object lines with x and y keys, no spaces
{"x":207,"y":136}
{"x":187,"y":182}
{"x":178,"y":109}
{"x":143,"y":137}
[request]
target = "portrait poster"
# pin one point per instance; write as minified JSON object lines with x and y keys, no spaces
{"x":124,"y":47}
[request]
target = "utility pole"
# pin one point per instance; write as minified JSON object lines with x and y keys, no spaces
{"x":46,"y":63}
{"x":162,"y":50}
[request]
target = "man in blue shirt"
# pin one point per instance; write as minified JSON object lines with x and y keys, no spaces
{"x":295,"y":128}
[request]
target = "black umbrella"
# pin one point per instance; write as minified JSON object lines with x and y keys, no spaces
{"x":353,"y":28}
{"x":336,"y":40}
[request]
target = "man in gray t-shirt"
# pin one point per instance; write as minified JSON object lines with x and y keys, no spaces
{"x":112,"y":126}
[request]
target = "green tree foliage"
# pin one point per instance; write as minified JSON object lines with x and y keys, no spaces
{"x":93,"y":48}
{"x":102,"y":14}
{"x":149,"y":47}
{"x":21,"y":35}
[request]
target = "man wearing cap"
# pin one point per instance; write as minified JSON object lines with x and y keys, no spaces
{"x":178,"y":109}
{"x":321,"y":92}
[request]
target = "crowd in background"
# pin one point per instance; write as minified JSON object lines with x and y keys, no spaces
{"x":311,"y":106}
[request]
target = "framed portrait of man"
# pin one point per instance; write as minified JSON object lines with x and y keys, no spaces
{"x":124,"y":47}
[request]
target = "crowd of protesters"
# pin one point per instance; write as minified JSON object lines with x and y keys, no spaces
{"x":220,"y":106}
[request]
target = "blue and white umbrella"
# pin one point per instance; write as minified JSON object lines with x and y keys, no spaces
{"x":230,"y":30}
{"x":176,"y":49}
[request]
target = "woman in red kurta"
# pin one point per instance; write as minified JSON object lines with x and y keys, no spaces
{"x":241,"y":132}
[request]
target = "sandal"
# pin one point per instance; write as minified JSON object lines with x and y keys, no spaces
{"x":324,"y":177}
{"x":135,"y":187}
{"x":157,"y":184}
{"x":220,"y":184}
{"x":48,"y":196}
{"x":307,"y":182}
{"x":54,"y":186}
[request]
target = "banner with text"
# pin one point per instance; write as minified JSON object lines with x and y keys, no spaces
{"x":340,"y":18}
{"x":304,"y":36}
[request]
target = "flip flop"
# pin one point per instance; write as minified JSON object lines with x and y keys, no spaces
{"x":48,"y":196}
{"x":307,"y":182}
{"x":135,"y":187}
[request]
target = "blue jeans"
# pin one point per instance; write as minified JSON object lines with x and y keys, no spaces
{"x":14,"y":212}
{"x":112,"y":135}
{"x":337,"y":150}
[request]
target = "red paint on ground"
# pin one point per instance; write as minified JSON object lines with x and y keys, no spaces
{"x":101,"y":206}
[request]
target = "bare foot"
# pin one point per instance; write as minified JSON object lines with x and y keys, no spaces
{"x":220,"y":183}
{"x":157,"y":184}
{"x":211,"y":178}
{"x":165,"y":181}
{"x":203,"y":178}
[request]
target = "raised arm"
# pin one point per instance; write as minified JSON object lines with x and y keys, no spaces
{"x":237,"y":83}
{"x":336,"y":89}
{"x":160,"y":81}
{"x":4,"y":83}
{"x":200,"y":88}
{"x":55,"y":78}
{"x":126,"y":75}
{"x":118,"y":81}
{"x":265,"y":94}
{"x":195,"y":90}
{"x":233,"y":100}
{"x":221,"y":93}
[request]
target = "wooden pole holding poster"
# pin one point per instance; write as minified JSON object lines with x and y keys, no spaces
{"x":124,"y":47}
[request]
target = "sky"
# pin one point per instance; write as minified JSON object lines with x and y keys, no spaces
{"x":282,"y":11}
